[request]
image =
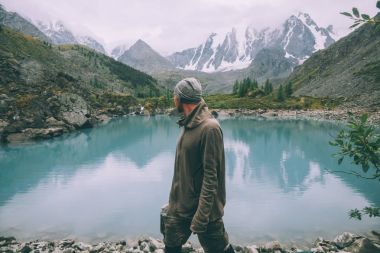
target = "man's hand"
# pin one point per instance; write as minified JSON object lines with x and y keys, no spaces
{"x":195,"y":231}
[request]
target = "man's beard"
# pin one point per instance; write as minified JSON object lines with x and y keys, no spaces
{"x":180,"y":107}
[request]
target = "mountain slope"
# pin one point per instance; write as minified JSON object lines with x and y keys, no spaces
{"x":18,"y":23}
{"x":298,"y":37}
{"x":59,"y":88}
{"x":349,"y":68}
{"x":59,"y":35}
{"x":142,"y":57}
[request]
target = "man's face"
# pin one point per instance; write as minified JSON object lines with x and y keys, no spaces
{"x":178,"y":104}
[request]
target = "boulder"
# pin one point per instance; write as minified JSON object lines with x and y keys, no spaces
{"x":73,"y":110}
{"x":344,"y":240}
{"x":34,"y":133}
{"x":252,"y":249}
{"x":363,"y":245}
{"x":25,"y":248}
{"x":53,"y":122}
{"x":273,"y":245}
{"x":325,"y":245}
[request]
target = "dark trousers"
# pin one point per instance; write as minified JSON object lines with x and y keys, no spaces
{"x":177,"y":231}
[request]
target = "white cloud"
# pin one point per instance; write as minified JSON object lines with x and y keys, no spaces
{"x":174,"y":25}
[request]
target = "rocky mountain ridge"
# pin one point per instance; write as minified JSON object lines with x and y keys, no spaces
{"x":20,"y":24}
{"x":299,"y":37}
{"x":349,"y":68}
{"x":141,"y":56}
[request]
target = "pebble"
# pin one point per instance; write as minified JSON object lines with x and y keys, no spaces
{"x":346,"y":242}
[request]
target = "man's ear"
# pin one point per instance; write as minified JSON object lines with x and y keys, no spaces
{"x":177,"y":100}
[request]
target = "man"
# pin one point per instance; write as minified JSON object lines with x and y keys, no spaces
{"x":198,"y":195}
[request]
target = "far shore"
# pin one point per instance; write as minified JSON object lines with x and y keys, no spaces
{"x":340,"y":114}
{"x":101,"y":118}
{"x":319,"y":114}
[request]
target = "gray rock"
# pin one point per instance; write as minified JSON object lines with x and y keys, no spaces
{"x":156,"y":244}
{"x":51,"y":121}
{"x":66,"y":243}
{"x":252,"y":249}
{"x":103,"y":118}
{"x":68,"y":250}
{"x":98,"y":248}
{"x":273,"y":246}
{"x":7,"y":240}
{"x":344,"y":240}
{"x":73,"y":110}
{"x":363,"y":245}
{"x":317,"y":249}
{"x":25,"y":248}
{"x":82,"y":246}
{"x":34,"y":133}
{"x":7,"y":250}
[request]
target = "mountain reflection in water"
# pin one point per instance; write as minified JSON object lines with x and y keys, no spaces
{"x":110,"y":182}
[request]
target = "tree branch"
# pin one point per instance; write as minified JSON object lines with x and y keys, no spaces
{"x":351,"y":172}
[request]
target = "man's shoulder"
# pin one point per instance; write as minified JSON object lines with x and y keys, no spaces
{"x":211,"y":123}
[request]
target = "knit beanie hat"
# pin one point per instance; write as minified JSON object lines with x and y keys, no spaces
{"x":189,"y":90}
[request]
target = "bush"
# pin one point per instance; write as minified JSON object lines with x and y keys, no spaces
{"x":361,"y":145}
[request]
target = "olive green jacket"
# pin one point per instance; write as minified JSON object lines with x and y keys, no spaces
{"x":198,"y":189}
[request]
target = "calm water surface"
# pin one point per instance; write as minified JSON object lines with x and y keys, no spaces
{"x":110,"y":182}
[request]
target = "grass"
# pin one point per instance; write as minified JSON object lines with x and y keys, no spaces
{"x":229,"y":101}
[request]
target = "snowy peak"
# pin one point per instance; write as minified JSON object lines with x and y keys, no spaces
{"x":298,"y":37}
{"x":59,"y":34}
{"x":323,"y":36}
{"x":119,"y":51}
{"x":91,"y":43}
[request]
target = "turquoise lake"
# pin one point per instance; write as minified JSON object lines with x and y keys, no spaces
{"x":108,"y":183}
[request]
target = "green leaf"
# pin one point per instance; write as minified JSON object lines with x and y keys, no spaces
{"x":364,"y":118}
{"x":355,"y":214}
{"x":355,"y":11}
{"x":365,"y":17}
{"x":378,"y":4}
{"x":346,"y":14}
{"x":354,"y":25}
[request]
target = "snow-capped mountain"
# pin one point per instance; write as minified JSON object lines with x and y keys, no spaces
{"x":91,"y":42}
{"x":118,"y":51}
{"x":298,"y":37}
{"x":57,"y":32}
{"x":59,"y":35}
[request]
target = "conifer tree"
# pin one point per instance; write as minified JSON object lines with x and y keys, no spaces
{"x":268,"y":88}
{"x":288,"y":89}
{"x":280,"y":94}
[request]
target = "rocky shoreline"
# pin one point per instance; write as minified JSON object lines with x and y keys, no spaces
{"x":73,"y":114}
{"x":344,"y":243}
{"x":317,"y":114}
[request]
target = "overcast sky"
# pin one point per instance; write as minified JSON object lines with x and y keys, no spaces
{"x":174,"y":25}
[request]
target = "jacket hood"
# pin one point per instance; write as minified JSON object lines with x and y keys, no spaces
{"x":196,"y":117}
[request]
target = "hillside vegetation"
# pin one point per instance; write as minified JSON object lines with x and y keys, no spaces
{"x":42,"y":86}
{"x":349,"y":68}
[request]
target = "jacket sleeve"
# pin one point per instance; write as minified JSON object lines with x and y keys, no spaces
{"x":212,"y":148}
